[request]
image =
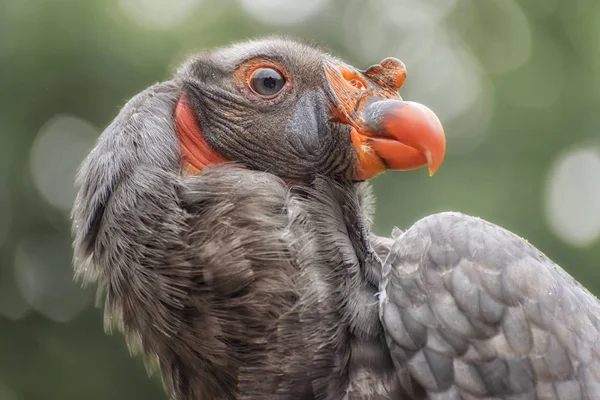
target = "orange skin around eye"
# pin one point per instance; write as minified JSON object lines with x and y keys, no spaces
{"x":243,"y":76}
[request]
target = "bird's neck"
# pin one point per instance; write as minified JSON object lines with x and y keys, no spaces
{"x":339,"y":209}
{"x":339,"y":215}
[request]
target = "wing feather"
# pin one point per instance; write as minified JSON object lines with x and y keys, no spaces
{"x":472,"y":311}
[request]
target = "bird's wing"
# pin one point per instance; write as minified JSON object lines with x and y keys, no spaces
{"x":471,"y":311}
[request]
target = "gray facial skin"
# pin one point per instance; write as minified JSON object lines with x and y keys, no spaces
{"x":292,"y":136}
{"x":239,"y":284}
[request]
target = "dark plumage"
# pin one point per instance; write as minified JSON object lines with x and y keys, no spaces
{"x":231,"y":235}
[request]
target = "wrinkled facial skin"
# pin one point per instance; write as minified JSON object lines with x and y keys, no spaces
{"x":292,"y":134}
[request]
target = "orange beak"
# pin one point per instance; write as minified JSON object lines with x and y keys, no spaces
{"x":387,"y":133}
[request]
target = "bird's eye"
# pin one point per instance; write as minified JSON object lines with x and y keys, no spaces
{"x":267,"y":82}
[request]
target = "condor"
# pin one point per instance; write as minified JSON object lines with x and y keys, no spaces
{"x":226,"y":216}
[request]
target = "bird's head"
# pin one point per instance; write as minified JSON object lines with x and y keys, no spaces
{"x":292,"y":110}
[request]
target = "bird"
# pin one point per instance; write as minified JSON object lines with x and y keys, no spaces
{"x":226,"y":217}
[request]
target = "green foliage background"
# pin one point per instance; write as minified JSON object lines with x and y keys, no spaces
{"x":86,"y":58}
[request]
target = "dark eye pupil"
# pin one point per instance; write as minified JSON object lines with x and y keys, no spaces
{"x":267,"y":81}
{"x":270,"y":82}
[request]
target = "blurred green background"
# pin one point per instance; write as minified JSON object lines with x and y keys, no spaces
{"x":516,"y":83}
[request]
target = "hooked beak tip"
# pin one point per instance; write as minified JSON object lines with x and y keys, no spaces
{"x":410,"y":135}
{"x":432,"y":168}
{"x":434,"y":163}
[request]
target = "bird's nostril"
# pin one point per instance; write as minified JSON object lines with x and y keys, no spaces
{"x":353,"y":78}
{"x":390,"y":73}
{"x":357,"y":84}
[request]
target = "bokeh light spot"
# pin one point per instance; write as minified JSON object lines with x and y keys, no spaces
{"x":539,"y":81}
{"x":60,"y":146}
{"x":573,"y":197}
{"x":503,"y":41}
{"x":447,"y":81}
{"x":282,"y":12}
{"x":158,"y":14}
{"x":539,"y":9}
{"x":450,"y":82}
{"x":12,"y":304}
{"x":405,"y":28}
{"x":6,"y":393}
{"x":5,"y":211}
{"x":411,"y":14}
{"x":44,"y":277}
